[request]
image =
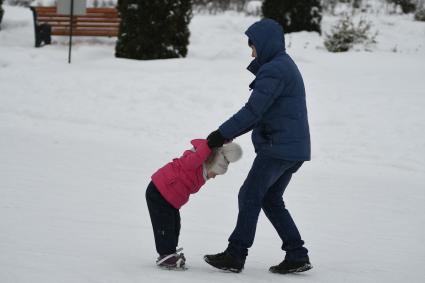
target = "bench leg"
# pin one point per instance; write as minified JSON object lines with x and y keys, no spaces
{"x":43,"y":34}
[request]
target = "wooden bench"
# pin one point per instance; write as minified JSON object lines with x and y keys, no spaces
{"x":97,"y":22}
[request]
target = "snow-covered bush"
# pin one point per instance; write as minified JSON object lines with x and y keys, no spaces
{"x":346,"y":34}
{"x":219,"y":6}
{"x":407,"y":6}
{"x":24,"y":3}
{"x":249,"y":7}
{"x":253,"y":8}
{"x":153,"y":29}
{"x":420,"y":15}
{"x":295,"y":15}
{"x":101,"y":3}
{"x":329,"y":5}
{"x":356,"y":4}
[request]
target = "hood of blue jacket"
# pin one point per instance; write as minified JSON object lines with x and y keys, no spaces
{"x":269,"y":40}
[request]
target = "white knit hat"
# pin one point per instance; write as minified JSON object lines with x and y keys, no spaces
{"x":222,"y":156}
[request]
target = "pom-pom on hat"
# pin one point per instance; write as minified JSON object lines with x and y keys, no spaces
{"x":222,"y":156}
{"x":232,"y":152}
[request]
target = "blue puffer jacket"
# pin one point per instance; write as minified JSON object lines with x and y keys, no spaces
{"x":276,"y":110}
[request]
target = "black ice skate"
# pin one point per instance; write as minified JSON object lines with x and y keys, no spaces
{"x":286,"y":267}
{"x":225,"y":261}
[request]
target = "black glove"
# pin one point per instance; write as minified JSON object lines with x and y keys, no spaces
{"x":215,"y":139}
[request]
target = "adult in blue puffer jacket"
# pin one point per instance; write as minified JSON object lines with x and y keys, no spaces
{"x":277,"y":115}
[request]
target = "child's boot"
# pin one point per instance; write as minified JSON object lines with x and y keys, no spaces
{"x":175,"y":261}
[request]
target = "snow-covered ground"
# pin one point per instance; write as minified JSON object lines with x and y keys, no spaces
{"x":79,"y":142}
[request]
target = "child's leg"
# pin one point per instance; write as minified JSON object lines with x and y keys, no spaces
{"x":177,"y":226}
{"x":165,"y":221}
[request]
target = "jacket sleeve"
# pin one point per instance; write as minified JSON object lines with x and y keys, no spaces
{"x":267,"y":85}
{"x":193,"y":159}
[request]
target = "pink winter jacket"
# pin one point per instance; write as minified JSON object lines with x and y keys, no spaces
{"x":183,"y":176}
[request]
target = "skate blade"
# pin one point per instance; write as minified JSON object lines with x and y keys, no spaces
{"x":296,"y":270}
{"x":303,"y":268}
{"x":233,"y":270}
{"x":174,"y":268}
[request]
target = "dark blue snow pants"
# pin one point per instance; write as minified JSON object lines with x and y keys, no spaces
{"x":263,"y":189}
{"x":165,"y":221}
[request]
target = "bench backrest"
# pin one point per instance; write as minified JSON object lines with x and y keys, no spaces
{"x":97,"y":21}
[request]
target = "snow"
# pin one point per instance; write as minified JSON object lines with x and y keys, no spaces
{"x":253,"y":7}
{"x":79,"y":142}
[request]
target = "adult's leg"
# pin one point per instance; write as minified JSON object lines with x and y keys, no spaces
{"x":165,"y":221}
{"x":279,"y":216}
{"x":265,"y":172}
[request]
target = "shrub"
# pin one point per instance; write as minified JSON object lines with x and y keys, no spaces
{"x":346,"y":34}
{"x":1,"y":10}
{"x":153,"y":29}
{"x":101,"y":3}
{"x":407,"y":6}
{"x":23,"y":3}
{"x":420,"y":15}
{"x":253,"y":8}
{"x":295,"y":15}
{"x":219,"y":6}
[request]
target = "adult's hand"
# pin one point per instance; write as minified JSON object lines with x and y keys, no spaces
{"x":215,"y":139}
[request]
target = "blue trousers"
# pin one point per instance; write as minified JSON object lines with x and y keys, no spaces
{"x":263,"y":189}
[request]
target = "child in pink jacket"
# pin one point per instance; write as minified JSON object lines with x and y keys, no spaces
{"x":171,"y":187}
